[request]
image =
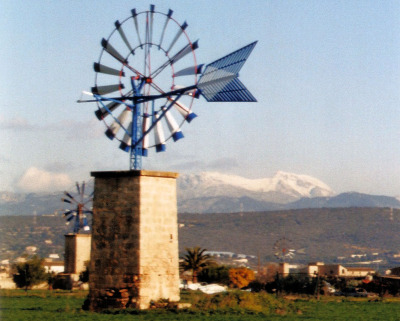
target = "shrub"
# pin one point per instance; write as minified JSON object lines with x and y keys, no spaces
{"x":240,"y":277}
{"x":30,"y":273}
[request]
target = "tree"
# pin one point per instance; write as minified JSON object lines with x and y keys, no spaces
{"x":241,"y":277}
{"x":30,"y":273}
{"x":195,"y":260}
{"x":215,"y":274}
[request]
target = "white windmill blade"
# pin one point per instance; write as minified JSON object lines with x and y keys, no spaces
{"x":178,"y":34}
{"x":103,"y":112}
{"x":172,"y":125}
{"x":107,"y":70}
{"x":190,"y":92}
{"x":152,"y":7}
{"x":127,"y":140}
{"x":145,"y":141}
{"x":186,"y":113}
{"x":159,"y":135}
{"x":167,"y":19}
{"x":134,"y":16}
{"x":189,"y":71}
{"x":122,"y":34}
{"x":112,"y":131}
{"x":112,"y":51}
{"x":107,"y":89}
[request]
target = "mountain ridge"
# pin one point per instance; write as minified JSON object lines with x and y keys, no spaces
{"x":211,"y":192}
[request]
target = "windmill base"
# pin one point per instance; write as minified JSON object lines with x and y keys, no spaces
{"x":77,"y":252}
{"x":134,"y":255}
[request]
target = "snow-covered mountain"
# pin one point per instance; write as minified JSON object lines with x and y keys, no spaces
{"x":211,"y":192}
{"x":281,"y":188}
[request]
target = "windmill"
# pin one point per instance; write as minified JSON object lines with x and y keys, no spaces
{"x":80,"y":207}
{"x":283,"y":249}
{"x":146,"y":82}
{"x":147,"y":79}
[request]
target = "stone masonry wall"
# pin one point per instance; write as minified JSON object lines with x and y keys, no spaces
{"x":77,"y":252}
{"x":134,"y":255}
{"x":159,"y":261}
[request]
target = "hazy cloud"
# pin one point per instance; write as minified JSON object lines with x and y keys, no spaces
{"x":59,"y":167}
{"x":16,"y":123}
{"x":220,"y":164}
{"x":225,"y":163}
{"x":37,"y":180}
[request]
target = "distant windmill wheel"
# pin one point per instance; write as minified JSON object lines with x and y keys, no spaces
{"x":80,"y":207}
{"x":283,"y":249}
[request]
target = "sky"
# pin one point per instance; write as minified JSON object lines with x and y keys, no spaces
{"x":326,"y":76}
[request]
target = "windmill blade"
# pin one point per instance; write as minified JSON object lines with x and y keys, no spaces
{"x":105,"y":111}
{"x":219,"y":81}
{"x":122,"y":34}
{"x":159,"y":135}
{"x":167,"y":18}
{"x":146,"y":126}
{"x":65,"y":200}
{"x":127,"y":140}
{"x":172,"y":125}
{"x":151,"y":23}
{"x":77,"y":187}
{"x":69,"y":212}
{"x":69,"y":219}
{"x":82,"y":190}
{"x":112,"y":131}
{"x":71,"y":197}
{"x":112,"y":51}
{"x":178,"y":34}
{"x":107,"y":70}
{"x":182,"y":53}
{"x":184,"y":111}
{"x":104,"y":90}
{"x":190,"y":92}
{"x":189,"y":71}
{"x":134,"y":16}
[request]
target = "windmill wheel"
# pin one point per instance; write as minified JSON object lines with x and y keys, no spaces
{"x":283,"y":249}
{"x":147,"y":54}
{"x":80,"y":207}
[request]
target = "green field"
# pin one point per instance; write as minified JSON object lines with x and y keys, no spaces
{"x":63,"y":305}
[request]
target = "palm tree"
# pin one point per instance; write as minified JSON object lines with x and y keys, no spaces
{"x":195,"y":260}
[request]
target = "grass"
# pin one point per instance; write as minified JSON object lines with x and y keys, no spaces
{"x":65,"y":305}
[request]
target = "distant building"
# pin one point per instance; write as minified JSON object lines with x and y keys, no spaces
{"x":329,"y":270}
{"x":54,"y":266}
{"x":338,"y":270}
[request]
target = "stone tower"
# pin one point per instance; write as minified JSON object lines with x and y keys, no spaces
{"x":77,"y":252}
{"x":134,"y":256}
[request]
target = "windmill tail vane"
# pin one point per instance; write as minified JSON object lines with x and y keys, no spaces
{"x":137,"y":95}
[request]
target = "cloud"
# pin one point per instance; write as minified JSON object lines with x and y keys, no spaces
{"x":225,"y":163}
{"x":36,"y":180}
{"x":16,"y":123}
{"x":220,"y":164}
{"x":59,"y":167}
{"x":75,"y":130}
